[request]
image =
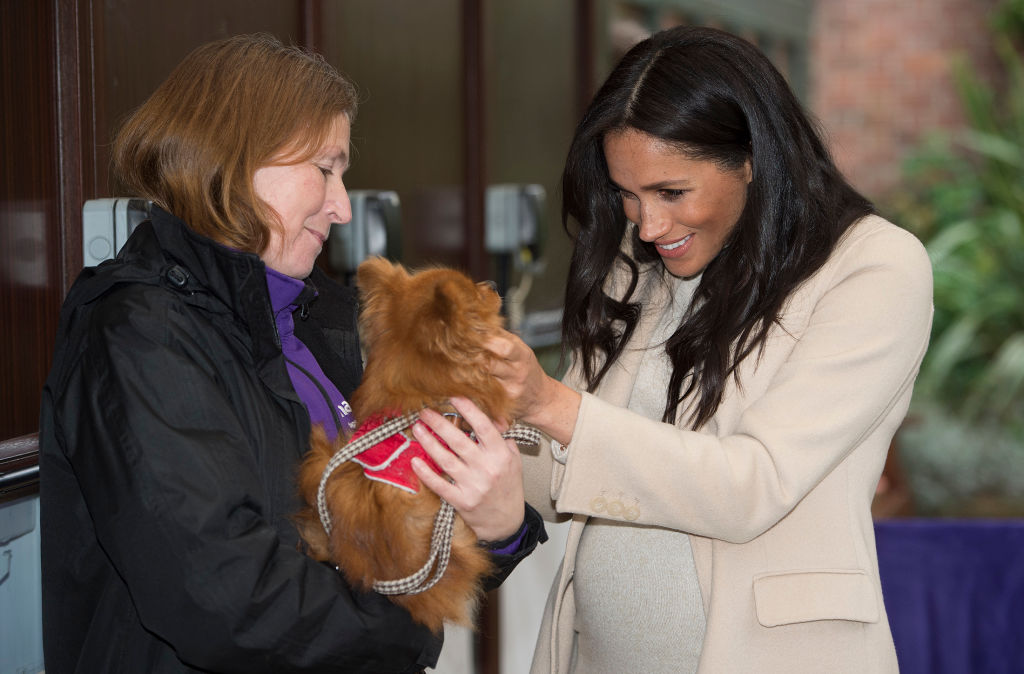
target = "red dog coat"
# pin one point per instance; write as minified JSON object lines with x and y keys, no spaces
{"x":390,"y":460}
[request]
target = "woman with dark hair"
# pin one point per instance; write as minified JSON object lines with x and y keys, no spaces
{"x":745,"y":333}
{"x":187,"y":375}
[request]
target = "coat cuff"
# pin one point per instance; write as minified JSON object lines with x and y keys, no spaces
{"x":505,"y":562}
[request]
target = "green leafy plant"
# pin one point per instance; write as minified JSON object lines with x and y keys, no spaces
{"x":968,"y":207}
{"x":962,"y":448}
{"x":953,"y":468}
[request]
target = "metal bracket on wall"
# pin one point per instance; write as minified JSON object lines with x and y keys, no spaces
{"x":19,"y":466}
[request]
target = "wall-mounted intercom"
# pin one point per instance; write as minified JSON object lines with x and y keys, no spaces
{"x":375,"y":229}
{"x":514,"y":234}
{"x":107,"y":224}
{"x":514,"y":218}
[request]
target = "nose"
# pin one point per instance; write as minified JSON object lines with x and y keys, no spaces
{"x":653,"y":223}
{"x":336,"y":201}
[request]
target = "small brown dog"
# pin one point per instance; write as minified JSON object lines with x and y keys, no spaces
{"x":423,"y":334}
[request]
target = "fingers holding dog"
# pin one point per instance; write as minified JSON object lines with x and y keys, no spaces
{"x":486,"y":487}
{"x":538,"y":399}
{"x":515,"y":365}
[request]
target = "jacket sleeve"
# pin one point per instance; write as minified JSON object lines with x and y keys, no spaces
{"x":175,"y":494}
{"x":532,"y":533}
{"x":865,"y":330}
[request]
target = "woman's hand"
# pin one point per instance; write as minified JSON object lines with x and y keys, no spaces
{"x":537,"y":399}
{"x":516,"y":366}
{"x":486,"y":486}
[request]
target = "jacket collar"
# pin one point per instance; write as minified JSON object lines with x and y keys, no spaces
{"x":236,"y":280}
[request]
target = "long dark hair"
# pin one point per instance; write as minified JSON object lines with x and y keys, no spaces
{"x":720,"y":99}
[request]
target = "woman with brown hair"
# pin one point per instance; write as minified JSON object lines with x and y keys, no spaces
{"x":187,"y":376}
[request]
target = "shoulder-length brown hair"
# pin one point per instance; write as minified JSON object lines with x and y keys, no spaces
{"x":229,"y":108}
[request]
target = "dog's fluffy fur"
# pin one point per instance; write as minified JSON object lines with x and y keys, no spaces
{"x":423,"y":335}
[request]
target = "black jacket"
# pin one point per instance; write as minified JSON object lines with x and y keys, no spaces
{"x":169,"y":440}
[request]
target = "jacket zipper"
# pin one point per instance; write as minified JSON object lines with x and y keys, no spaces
{"x":323,"y":391}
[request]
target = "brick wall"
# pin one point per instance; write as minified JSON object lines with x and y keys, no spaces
{"x":880,"y":77}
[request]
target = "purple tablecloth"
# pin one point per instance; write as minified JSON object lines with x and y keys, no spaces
{"x":954,"y":592}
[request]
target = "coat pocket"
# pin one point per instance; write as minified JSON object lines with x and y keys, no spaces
{"x":804,"y":596}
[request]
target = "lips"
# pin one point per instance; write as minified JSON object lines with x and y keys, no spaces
{"x":322,"y":238}
{"x":668,"y":247}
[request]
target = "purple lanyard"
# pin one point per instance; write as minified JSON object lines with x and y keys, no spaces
{"x":323,"y":400}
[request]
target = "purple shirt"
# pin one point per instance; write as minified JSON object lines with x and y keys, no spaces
{"x":321,"y":397}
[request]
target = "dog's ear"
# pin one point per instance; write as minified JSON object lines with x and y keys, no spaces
{"x":377,"y":274}
{"x":380,"y":282}
{"x":459,"y":317}
{"x":447,"y":300}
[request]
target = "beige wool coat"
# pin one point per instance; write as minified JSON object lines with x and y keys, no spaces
{"x":775,"y":491}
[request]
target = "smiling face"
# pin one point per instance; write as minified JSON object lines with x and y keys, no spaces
{"x":308,"y":197}
{"x":686,"y":207}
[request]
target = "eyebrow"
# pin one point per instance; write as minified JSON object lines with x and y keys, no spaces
{"x":664,"y":184}
{"x":341,"y":155}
